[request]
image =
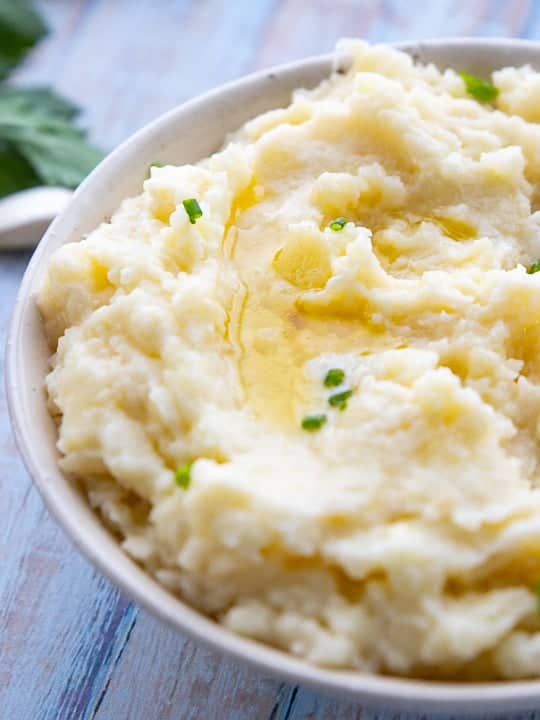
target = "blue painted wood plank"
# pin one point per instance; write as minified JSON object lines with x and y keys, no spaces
{"x":531,"y":28}
{"x":319,"y":23}
{"x":157,"y":55}
{"x":164,"y":676}
{"x":48,"y":594}
{"x":64,"y":20}
{"x":310,"y":705}
{"x":61,"y":625}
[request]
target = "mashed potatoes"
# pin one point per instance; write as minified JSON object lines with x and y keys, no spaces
{"x":381,"y":227}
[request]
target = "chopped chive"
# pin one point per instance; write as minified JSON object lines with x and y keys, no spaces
{"x":339,"y":400}
{"x":313,"y":422}
{"x":534,"y":268}
{"x":152,"y":165}
{"x":193,"y":209}
{"x":334,"y":377}
{"x":182,"y":476}
{"x":338,"y":224}
{"x":537,"y":593}
{"x":480,"y":90}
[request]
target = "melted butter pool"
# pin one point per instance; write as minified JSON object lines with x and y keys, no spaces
{"x":273,"y":337}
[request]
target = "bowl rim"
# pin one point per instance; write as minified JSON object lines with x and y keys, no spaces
{"x":390,"y":691}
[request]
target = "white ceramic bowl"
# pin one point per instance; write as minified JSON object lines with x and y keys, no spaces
{"x":184,"y":135}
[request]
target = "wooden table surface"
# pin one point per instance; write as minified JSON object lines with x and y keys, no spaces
{"x":71,"y":646}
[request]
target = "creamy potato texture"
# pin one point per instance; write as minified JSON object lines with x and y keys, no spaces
{"x":403,"y":534}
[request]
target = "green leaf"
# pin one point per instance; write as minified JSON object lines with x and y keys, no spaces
{"x":20,"y":108}
{"x":38,"y":100}
{"x":59,"y":156}
{"x":16,"y":173}
{"x":480,"y":90}
{"x":38,"y":142}
{"x":37,"y":123}
{"x":20,"y":29}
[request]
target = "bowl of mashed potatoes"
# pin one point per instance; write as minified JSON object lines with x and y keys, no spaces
{"x":276,"y":371}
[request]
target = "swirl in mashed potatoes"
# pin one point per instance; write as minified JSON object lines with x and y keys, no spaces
{"x":382,"y":231}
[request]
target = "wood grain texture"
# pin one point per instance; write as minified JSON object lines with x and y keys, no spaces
{"x":71,"y":646}
{"x":184,"y":680}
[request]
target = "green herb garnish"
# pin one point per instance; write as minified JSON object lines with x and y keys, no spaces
{"x":338,"y":224}
{"x":39,"y":144}
{"x":193,"y":209}
{"x":480,"y":90}
{"x":20,"y":29}
{"x":534,"y":268}
{"x":537,"y":593}
{"x":182,"y":476}
{"x":334,"y":377}
{"x":154,"y":164}
{"x":313,"y":422}
{"x":339,"y":400}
